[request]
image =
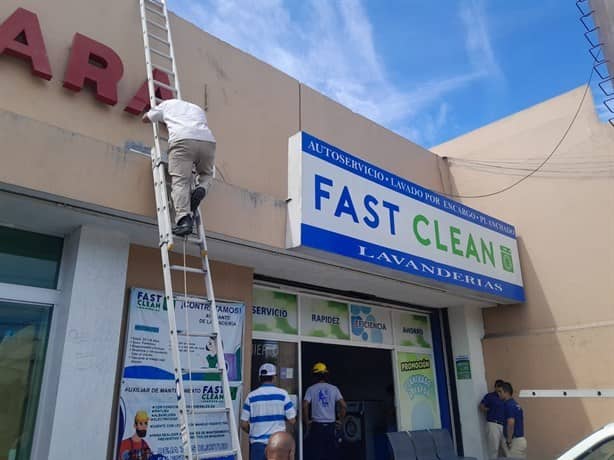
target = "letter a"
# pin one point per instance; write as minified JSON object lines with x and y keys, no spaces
{"x":21,"y":37}
{"x":96,"y":64}
{"x":140,"y":102}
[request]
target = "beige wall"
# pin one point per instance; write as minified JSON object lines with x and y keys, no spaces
{"x":559,"y":338}
{"x":69,"y":144}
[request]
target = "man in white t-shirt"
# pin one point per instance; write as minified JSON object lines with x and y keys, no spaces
{"x":265,"y":412}
{"x":322,"y":398}
{"x":191,"y":145}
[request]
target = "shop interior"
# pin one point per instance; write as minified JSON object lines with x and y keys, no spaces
{"x":363,"y":375}
{"x":365,"y":378}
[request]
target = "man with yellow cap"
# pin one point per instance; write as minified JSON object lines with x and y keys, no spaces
{"x":323,"y":399}
{"x":135,"y":447}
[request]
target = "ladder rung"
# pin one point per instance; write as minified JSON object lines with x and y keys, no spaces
{"x":215,"y":454}
{"x":160,"y":53}
{"x":157,"y":24}
{"x":209,"y":411}
{"x":164,"y":85}
{"x":158,"y":100}
{"x":210,"y":335}
{"x":195,"y":240}
{"x":159,"y":13}
{"x":215,"y":370}
{"x":164,"y":69}
{"x":181,"y":268}
{"x":156,"y":2}
{"x":158,"y":38}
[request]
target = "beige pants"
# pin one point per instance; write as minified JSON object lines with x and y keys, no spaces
{"x":518,"y":448}
{"x":494,"y":437}
{"x":183,"y":156}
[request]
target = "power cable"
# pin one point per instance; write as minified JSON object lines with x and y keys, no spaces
{"x":556,"y":147}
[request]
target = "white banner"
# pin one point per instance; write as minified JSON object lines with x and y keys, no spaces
{"x":343,"y":205}
{"x":147,"y":421}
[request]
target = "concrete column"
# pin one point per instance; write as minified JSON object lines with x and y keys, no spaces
{"x":93,"y":296}
{"x":467,"y":331}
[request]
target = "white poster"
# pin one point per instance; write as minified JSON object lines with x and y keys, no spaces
{"x":148,"y":426}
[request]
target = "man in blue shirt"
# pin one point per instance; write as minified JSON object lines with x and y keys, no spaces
{"x":492,"y":406}
{"x":322,"y":398}
{"x":265,"y":412}
{"x":515,"y":445}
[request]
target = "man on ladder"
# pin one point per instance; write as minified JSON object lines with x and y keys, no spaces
{"x":191,"y":146}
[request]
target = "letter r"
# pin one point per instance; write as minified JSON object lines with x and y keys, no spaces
{"x":319,"y":193}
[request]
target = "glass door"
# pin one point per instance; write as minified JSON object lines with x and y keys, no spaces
{"x":284,"y":355}
{"x":24,"y":331}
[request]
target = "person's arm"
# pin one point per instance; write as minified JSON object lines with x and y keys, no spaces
{"x":306,"y":405}
{"x":154,"y":115}
{"x":290,"y":412}
{"x":342,"y":408}
{"x":484,"y":404}
{"x":509,"y":432}
{"x":245,"y":414}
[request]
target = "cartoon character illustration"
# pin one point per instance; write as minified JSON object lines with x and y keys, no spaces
{"x":323,"y":398}
{"x":135,"y":447}
{"x":211,"y":357}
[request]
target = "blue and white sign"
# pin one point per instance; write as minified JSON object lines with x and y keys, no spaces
{"x":347,"y":206}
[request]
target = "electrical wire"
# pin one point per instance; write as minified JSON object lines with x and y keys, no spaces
{"x":554,"y":150}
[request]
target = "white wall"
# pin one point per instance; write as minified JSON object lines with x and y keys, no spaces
{"x":90,"y":313}
{"x":467,"y":331}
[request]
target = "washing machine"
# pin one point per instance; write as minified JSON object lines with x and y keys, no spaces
{"x":352,"y":445}
{"x":363,"y":423}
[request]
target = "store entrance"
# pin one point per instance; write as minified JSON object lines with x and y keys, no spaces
{"x":365,"y":378}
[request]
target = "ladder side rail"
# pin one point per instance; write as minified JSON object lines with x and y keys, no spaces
{"x":162,"y":206}
{"x":164,"y":224}
{"x":162,"y":201}
{"x":232,"y":423}
{"x":172,"y":50}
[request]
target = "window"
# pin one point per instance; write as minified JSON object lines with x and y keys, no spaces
{"x":29,"y":259}
{"x":24,"y":330}
{"x":604,"y":451}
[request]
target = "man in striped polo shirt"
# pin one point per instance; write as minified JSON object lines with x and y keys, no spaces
{"x":265,"y":412}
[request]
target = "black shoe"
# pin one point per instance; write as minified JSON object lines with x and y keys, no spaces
{"x":197,"y":196}
{"x":184,"y":226}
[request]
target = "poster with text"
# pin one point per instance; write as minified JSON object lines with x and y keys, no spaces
{"x":324,"y":318}
{"x":412,"y":330}
{"x":418,"y":401}
{"x":147,"y":418}
{"x":274,"y":311}
{"x":370,"y":324}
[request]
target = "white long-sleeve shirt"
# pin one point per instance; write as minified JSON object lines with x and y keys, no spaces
{"x":183,"y":120}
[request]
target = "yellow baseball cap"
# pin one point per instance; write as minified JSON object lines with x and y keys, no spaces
{"x":319,"y":368}
{"x":141,"y":416}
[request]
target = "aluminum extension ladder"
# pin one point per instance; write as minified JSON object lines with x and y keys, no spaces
{"x":160,"y":62}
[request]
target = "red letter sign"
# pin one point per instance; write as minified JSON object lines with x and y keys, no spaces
{"x":21,"y":36}
{"x":93,"y":63}
{"x":140,"y":102}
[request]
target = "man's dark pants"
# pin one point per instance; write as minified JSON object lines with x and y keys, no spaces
{"x":322,"y":442}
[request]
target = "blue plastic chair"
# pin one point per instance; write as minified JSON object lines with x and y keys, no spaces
{"x":401,"y":446}
{"x":444,"y":446}
{"x":424,"y":444}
